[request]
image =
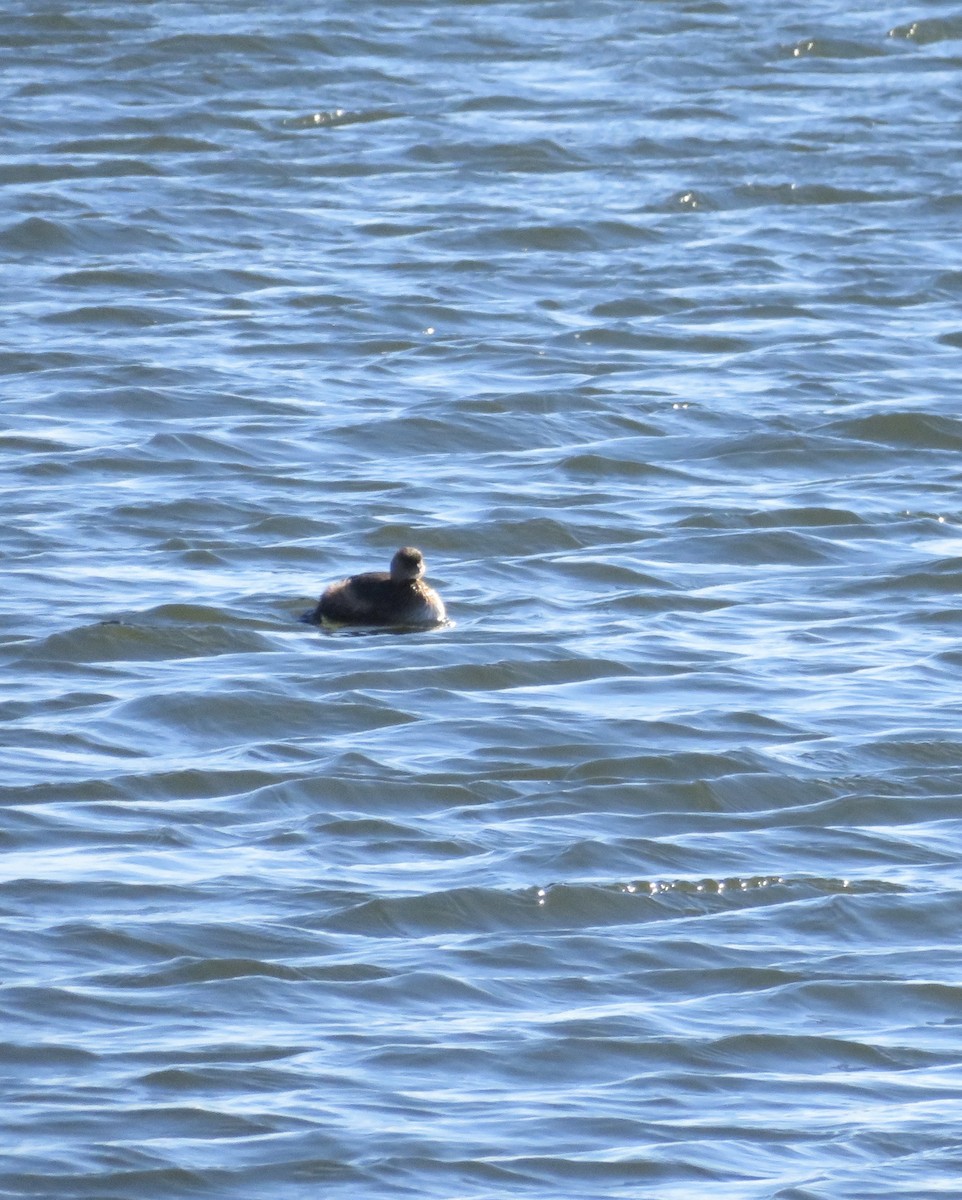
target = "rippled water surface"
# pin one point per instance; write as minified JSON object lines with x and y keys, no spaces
{"x":642,"y":877}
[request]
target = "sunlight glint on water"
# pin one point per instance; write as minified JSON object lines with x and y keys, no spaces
{"x":641,"y":877}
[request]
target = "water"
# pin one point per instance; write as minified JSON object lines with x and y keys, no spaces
{"x":641,"y":878}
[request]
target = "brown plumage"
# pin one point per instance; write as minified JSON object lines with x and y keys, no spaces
{"x":395,"y":597}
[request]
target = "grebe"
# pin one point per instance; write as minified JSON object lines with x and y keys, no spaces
{"x":395,"y":597}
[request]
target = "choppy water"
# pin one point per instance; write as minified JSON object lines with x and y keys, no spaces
{"x":643,"y":878}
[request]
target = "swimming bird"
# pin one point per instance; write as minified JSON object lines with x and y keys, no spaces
{"x":395,"y":597}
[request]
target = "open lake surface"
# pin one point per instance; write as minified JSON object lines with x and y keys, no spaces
{"x":641,"y":878}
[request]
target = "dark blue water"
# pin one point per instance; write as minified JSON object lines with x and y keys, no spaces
{"x":642,"y":877}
